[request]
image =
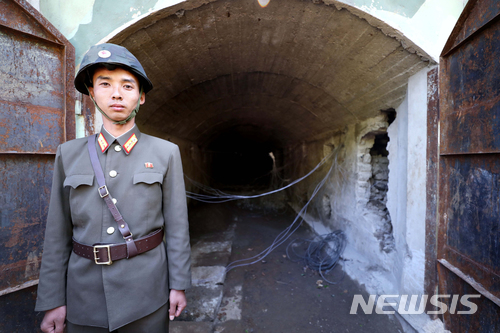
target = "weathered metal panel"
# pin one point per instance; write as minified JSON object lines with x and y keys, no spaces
{"x":469,"y":175}
{"x":17,"y":313}
{"x":32,"y":109}
{"x":36,"y":115}
{"x":471,"y":97}
{"x":485,"y":320}
{"x":470,"y":207}
{"x":24,"y":195}
{"x":20,"y":18}
{"x":476,"y":15}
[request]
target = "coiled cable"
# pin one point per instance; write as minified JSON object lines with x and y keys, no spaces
{"x":322,"y":254}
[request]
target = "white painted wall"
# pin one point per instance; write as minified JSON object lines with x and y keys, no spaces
{"x":397,"y":193}
{"x":35,"y":4}
{"x":407,"y":195}
{"x":413,"y":278}
{"x":407,"y":185}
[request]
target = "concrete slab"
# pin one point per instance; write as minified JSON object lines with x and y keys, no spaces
{"x":208,"y":275}
{"x":226,"y":235}
{"x":210,"y":256}
{"x":231,"y":326}
{"x":212,"y":253}
{"x":211,"y":259}
{"x":204,"y":247}
{"x":204,"y":302}
{"x":230,"y":308}
{"x":190,"y":327}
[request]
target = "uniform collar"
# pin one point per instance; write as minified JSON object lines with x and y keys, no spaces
{"x":127,"y":141}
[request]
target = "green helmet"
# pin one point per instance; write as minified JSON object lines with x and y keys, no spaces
{"x":110,"y":54}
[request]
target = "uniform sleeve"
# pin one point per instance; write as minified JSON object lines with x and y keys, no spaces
{"x":176,"y":224}
{"x":57,"y":245}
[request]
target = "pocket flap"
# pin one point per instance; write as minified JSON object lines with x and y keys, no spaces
{"x":76,"y":180}
{"x":148,"y":178}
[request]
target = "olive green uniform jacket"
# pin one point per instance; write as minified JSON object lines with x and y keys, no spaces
{"x":148,"y":184}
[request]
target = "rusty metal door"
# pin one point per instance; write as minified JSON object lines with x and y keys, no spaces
{"x":468,"y":248}
{"x":36,"y":115}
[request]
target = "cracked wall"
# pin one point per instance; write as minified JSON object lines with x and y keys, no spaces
{"x":376,"y":194}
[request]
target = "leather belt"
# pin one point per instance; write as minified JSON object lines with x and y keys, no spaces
{"x":105,"y":254}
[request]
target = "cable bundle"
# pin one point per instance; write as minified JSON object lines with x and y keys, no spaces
{"x":322,"y":253}
{"x":217,"y":196}
{"x":318,"y":256}
{"x":285,"y":234}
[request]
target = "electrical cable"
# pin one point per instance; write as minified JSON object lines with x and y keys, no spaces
{"x":217,"y":196}
{"x":285,"y":234}
{"x":318,"y":256}
{"x":322,"y":254}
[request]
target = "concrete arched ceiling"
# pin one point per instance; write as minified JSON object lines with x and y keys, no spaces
{"x":296,"y":68}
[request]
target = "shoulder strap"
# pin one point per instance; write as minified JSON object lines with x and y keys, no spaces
{"x":104,"y":193}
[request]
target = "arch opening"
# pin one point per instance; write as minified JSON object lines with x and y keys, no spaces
{"x":262,"y":79}
{"x":235,"y":82}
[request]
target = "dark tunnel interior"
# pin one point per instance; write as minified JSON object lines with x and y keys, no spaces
{"x":241,"y":159}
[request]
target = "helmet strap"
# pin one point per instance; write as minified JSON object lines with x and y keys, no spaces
{"x":121,"y":122}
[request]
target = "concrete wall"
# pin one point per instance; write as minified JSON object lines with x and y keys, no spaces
{"x":344,"y":202}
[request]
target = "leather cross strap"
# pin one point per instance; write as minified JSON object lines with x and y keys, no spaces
{"x":105,"y":254}
{"x":104,"y":193}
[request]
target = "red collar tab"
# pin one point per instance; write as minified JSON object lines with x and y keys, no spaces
{"x":131,"y":142}
{"x":103,"y":144}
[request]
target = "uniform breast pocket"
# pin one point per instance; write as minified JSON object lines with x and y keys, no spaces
{"x":148,"y":189}
{"x":81,"y":196}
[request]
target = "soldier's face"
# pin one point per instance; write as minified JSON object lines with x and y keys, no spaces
{"x":116,"y":92}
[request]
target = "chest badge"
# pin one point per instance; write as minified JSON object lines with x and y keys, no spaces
{"x":149,"y":165}
{"x":130,"y":143}
{"x":103,"y":144}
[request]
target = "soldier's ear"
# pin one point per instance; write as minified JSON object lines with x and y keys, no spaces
{"x":91,"y":91}
{"x":143,"y":98}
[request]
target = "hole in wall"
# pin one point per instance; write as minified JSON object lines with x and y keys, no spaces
{"x":378,"y":192}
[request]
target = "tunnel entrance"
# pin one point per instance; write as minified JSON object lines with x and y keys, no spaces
{"x":235,"y":82}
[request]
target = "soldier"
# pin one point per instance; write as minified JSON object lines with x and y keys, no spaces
{"x":116,"y":249}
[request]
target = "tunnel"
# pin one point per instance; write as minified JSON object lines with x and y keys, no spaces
{"x":237,"y":85}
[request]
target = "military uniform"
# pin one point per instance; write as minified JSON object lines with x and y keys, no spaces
{"x":144,"y":176}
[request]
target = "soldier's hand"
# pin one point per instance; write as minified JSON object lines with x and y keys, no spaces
{"x":177,"y":303}
{"x":53,"y":321}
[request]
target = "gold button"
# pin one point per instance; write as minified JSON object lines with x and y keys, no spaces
{"x":113,"y":173}
{"x":118,"y":148}
{"x":110,"y":230}
{"x":114,"y":201}
{"x":122,"y":226}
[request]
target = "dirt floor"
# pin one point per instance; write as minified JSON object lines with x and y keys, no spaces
{"x":277,"y":295}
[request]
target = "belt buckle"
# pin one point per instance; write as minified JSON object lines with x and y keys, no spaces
{"x":104,"y":192}
{"x":96,"y":258}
